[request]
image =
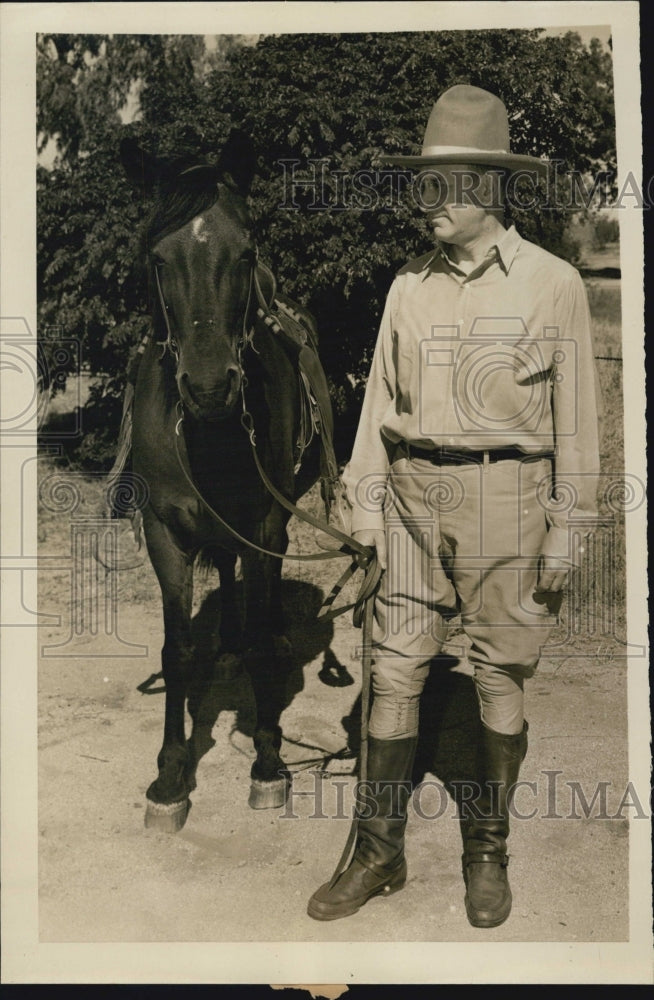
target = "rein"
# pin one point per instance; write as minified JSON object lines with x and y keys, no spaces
{"x":363,"y":557}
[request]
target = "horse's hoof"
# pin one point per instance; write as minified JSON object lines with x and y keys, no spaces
{"x":166,"y":818}
{"x":268,"y":794}
{"x":228,"y":667}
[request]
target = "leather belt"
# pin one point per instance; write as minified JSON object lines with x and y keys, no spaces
{"x":449,"y":456}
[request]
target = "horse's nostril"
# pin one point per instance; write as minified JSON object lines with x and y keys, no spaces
{"x":222,"y":394}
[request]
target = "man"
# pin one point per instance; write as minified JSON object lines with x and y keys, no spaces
{"x":473,"y":474}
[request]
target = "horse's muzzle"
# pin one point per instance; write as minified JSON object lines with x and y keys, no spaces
{"x":211,"y":404}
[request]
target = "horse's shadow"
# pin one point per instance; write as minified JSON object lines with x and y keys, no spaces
{"x":449,"y":713}
{"x":213,"y":690}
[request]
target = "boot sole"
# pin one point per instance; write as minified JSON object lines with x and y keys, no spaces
{"x":478,"y":919}
{"x":316,"y":910}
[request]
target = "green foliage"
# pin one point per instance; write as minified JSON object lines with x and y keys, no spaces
{"x":321,"y":104}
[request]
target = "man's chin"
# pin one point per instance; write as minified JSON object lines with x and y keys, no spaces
{"x":440,"y":222}
{"x":441,"y":232}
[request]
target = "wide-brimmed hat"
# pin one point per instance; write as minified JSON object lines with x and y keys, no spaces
{"x":468,"y":125}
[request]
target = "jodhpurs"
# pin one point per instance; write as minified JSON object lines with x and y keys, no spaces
{"x":461,"y":539}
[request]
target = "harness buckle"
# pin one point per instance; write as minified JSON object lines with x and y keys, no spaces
{"x":180,"y":410}
{"x":248,"y":424}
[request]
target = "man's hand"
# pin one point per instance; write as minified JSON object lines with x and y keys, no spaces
{"x":552,"y":582}
{"x":376,"y":539}
{"x":553,"y":575}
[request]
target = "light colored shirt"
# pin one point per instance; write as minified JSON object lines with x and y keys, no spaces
{"x":499,"y":357}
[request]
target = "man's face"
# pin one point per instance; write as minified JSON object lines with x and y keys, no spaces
{"x":455,"y":199}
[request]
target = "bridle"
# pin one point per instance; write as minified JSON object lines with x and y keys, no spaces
{"x":245,"y":339}
{"x":170,"y":343}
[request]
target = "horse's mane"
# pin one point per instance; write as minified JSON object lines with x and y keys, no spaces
{"x":187,"y":187}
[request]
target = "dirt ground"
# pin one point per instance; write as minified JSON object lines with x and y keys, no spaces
{"x":237,"y":874}
{"x":234,"y":874}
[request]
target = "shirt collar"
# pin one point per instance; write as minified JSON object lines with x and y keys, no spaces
{"x":507,"y":247}
{"x":504,"y":251}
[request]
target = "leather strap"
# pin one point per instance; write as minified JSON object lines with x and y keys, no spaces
{"x":365,"y":556}
{"x":366,"y":670}
{"x":450,"y":456}
{"x":486,"y":857}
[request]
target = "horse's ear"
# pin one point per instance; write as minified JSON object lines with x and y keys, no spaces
{"x":140,"y":166}
{"x":238,"y":161}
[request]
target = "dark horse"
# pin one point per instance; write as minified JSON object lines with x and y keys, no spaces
{"x":209,"y":359}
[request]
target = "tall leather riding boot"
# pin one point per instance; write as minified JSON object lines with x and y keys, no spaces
{"x":488,"y":894}
{"x":378,"y":865}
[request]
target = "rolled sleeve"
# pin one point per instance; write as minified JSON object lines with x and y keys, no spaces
{"x":366,"y":475}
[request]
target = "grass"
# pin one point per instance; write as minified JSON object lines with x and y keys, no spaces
{"x":605,"y":307}
{"x":604,"y":300}
{"x":67,"y":497}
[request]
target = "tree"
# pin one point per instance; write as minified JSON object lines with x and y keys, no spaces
{"x":89,"y":275}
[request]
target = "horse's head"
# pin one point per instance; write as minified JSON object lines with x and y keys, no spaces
{"x":202,"y":259}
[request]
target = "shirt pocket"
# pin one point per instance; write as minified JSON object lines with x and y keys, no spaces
{"x":533,"y":360}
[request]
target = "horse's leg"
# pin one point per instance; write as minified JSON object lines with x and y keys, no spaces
{"x":283,"y":648}
{"x":168,"y":795}
{"x":228,"y":665}
{"x":270,"y":779}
